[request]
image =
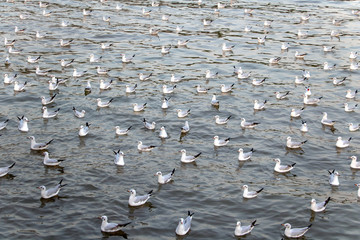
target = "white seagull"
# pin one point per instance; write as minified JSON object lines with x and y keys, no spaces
{"x":351,"y":94}
{"x":165,"y":103}
{"x":139,"y":108}
{"x":243,"y":230}
{"x":185,"y":128}
{"x":19,"y":87}
{"x":282,"y":168}
{"x":5,"y":170}
{"x":38,"y":146}
{"x":334,"y":178}
{"x":162,"y":179}
{"x":295,"y":232}
{"x":84,"y":130}
{"x":51,"y":192}
{"x":214,"y":101}
{"x":245,"y":124}
{"x":3,"y":124}
{"x":121,"y":132}
{"x":105,"y":85}
{"x":163,"y":133}
{"x":293,"y":144}
{"x":110,"y":227}
{"x":354,"y":127}
{"x":130,"y":89}
{"x":9,"y":79}
{"x":168,"y":89}
{"x":243,"y":156}
{"x":226,"y":88}
{"x":209,"y":74}
{"x":188,"y":158}
{"x":144,"y":148}
{"x":78,"y":114}
{"x":51,"y":161}
{"x":220,"y":142}
{"x":23,"y":124}
{"x":251,"y":194}
{"x":340,"y":143}
{"x":49,"y":114}
{"x":221,"y":121}
{"x":350,"y":108}
{"x":182,"y":113}
{"x":319,"y":207}
{"x":135,"y":201}
{"x":148,"y":125}
{"x":125,"y":59}
{"x":184,"y":226}
{"x":304,"y":127}
{"x":311,"y":101}
{"x":119,"y":158}
{"x":327,"y":121}
{"x":103,"y":104}
{"x":296,"y":112}
{"x":259,"y":105}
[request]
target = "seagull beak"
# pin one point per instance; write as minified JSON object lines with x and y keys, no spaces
{"x":128,"y":190}
{"x":98,"y":217}
{"x":283,"y":224}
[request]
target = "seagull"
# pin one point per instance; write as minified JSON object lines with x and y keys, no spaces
{"x":335,"y":33}
{"x":110,"y":227}
{"x":3,"y":124}
{"x":243,"y":230}
{"x":139,"y":108}
{"x":243,"y":156}
{"x":179,"y":29}
{"x":207,"y":22}
{"x":185,"y":128}
{"x":51,"y":161}
{"x":84,"y":130}
{"x":49,"y":114}
{"x":214,"y":101}
{"x":31,"y":59}
{"x":340,"y":143}
{"x":252,"y":194}
{"x":327,"y":121}
{"x":77,"y":73}
{"x":176,"y":79}
{"x":182,"y":43}
{"x":165,"y":17}
{"x":168,"y":89}
{"x":23,"y":124}
{"x":248,"y":10}
{"x":43,"y":5}
{"x":119,"y":158}
{"x":163,"y":133}
{"x":243,"y":75}
{"x":165,"y":50}
{"x":349,"y":108}
{"x":305,"y":17}
{"x":319,"y":207}
{"x":227,"y":48}
{"x":86,"y":12}
{"x":306,"y":74}
{"x":328,"y":67}
{"x":328,"y":48}
{"x":9,"y":79}
{"x":267,"y":23}
{"x":88,"y":87}
{"x":130,"y":89}
{"x":338,"y":82}
{"x":155,"y":4}
{"x":311,"y":101}
{"x":38,"y":146}
{"x":9,"y":42}
{"x":105,"y":85}
{"x":46,"y":13}
{"x":221,"y":121}
{"x":65,"y":63}
{"x":165,"y":103}
{"x":64,"y":23}
{"x":153,"y":31}
{"x":245,"y":124}
{"x":354,"y":127}
{"x":146,"y":12}
{"x":162,"y":179}
{"x":120,"y":132}
{"x":19,"y":30}
{"x":350,"y":94}
{"x":148,"y":125}
{"x":138,"y":200}
{"x":258,"y":82}
{"x":259,"y":105}
{"x":295,"y":232}
{"x":334,"y":178}
{"x":51,"y":192}
{"x":307,"y":91}
{"x":102,"y":71}
{"x":7,"y":61}
{"x":187,"y":158}
{"x":5,"y":170}
{"x":292,"y":144}
{"x":353,"y":55}
{"x":274,"y":60}
{"x":125,"y":59}
{"x":53,"y":85}
{"x":282,"y":168}
{"x":304,"y":127}
{"x":354,"y":66}
{"x":337,"y":22}
{"x":220,"y":142}
{"x":200,"y":89}
{"x":65,"y":43}
{"x":261,"y":40}
{"x":106,"y":19}
{"x":284,"y":46}
{"x":247,"y":29}
{"x":300,"y":55}
{"x":184,"y":225}
{"x":209,"y":74}
{"x":296,"y":112}
{"x":182,"y":113}
{"x":39,"y":35}
{"x":13,"y":50}
{"x":226,"y":88}
{"x":105,"y":45}
{"x":78,"y":114}
{"x":302,"y":34}
{"x":103,"y":104}
{"x":144,"y":148}
{"x":144,"y":77}
{"x":19,"y":87}
{"x":280,"y":95}
{"x":300,"y":80}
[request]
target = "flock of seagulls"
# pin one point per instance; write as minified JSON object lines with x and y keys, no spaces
{"x":171,"y":91}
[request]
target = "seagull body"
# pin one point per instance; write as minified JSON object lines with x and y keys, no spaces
{"x":168,"y":89}
{"x":144,"y":148}
{"x":23,"y":124}
{"x":274,"y":60}
{"x":65,"y":63}
{"x":88,"y":87}
{"x":243,"y":230}
{"x":340,"y":143}
{"x":247,"y":28}
{"x":84,"y":130}
{"x":201,"y":89}
{"x":5,"y":170}
{"x":31,"y":59}
{"x":353,"y":55}
{"x":39,"y":35}
{"x":176,"y":79}
{"x":243,"y":156}
{"x":182,"y":113}
{"x":349,"y":108}
{"x":179,"y":29}
{"x":284,"y":46}
{"x":51,"y":192}
{"x":354,"y":66}
{"x":146,"y":12}
{"x":38,"y":146}
{"x":227,"y":48}
{"x":46,"y":13}
{"x":220,"y":142}
{"x":334,"y":178}
{"x":281,"y":96}
{"x":9,"y":42}
{"x":338,"y":82}
{"x":327,"y":66}
{"x":302,"y":34}
{"x":207,"y":22}
{"x":9,"y":79}
{"x":293,"y":144}
{"x":148,"y":125}
{"x":78,"y":114}
{"x":358,"y":192}
{"x":328,"y":49}
{"x":327,"y":121}
{"x":209,"y":74}
{"x":259,"y":105}
{"x":304,"y":127}
{"x":306,"y":74}
{"x":245,"y":124}
{"x":295,"y":232}
{"x":243,"y":75}
{"x":165,"y":49}
{"x":105,"y":45}
{"x":184,"y":226}
{"x":102,"y":71}
{"x":19,"y":87}
{"x":139,"y":108}
{"x":163,"y":133}
{"x":351,"y":94}
{"x":144,"y":77}
{"x":300,"y":55}
{"x":335,"y":33}
{"x":261,"y":40}
{"x":258,"y":82}
{"x":165,"y":103}
{"x":102,"y":104}
{"x":221,"y":121}
{"x":282,"y":168}
{"x":214,"y":101}
{"x":267,"y":23}
{"x":226,"y":88}
{"x":50,"y":161}
{"x":13,"y":50}
{"x":77,"y":73}
{"x":110,"y":227}
{"x":319,"y":207}
{"x":311,"y":101}
{"x":188,"y":158}
{"x":119,"y":158}
{"x":86,"y":12}
{"x":153,"y":31}
{"x":49,"y":114}
{"x":165,"y":17}
{"x":162,"y":179}
{"x":125,"y":59}
{"x":130,"y":89}
{"x":354,"y":127}
{"x":182,"y":43}
{"x":300,"y":80}
{"x":120,"y":132}
{"x":19,"y":30}
{"x":138,"y":200}
{"x":296,"y":112}
{"x":185,"y":128}
{"x":65,"y":43}
{"x":64,"y":23}
{"x":250,"y":194}
{"x":3,"y":124}
{"x":105,"y":85}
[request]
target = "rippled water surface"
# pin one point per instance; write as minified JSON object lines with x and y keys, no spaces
{"x":211,"y":187}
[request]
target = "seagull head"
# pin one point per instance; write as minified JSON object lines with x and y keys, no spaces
{"x":286,"y":225}
{"x":240,"y":150}
{"x":277,"y":160}
{"x":245,"y":187}
{"x":158,"y":174}
{"x":43,"y":188}
{"x":132,"y":191}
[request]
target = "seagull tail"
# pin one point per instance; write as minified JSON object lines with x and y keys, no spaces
{"x":228,"y":139}
{"x":258,"y":191}
{"x":123,"y":225}
{"x":144,"y":120}
{"x":303,"y":121}
{"x":293,"y":164}
{"x":111,"y":100}
{"x":129,"y":128}
{"x":304,"y":142}
{"x":13,"y":164}
{"x":350,"y":139}
{"x":49,"y":141}
{"x":173,"y":171}
{"x":252,"y":150}
{"x":7,"y":120}
{"x":253,"y":223}
{"x":228,"y":117}
{"x":150,"y":193}
{"x":190,"y":214}
{"x":309,"y":226}
{"x":74,"y":109}
{"x":327,"y":201}
{"x":197,"y":155}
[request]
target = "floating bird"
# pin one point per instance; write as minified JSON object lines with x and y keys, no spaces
{"x":351,"y":94}
{"x":358,"y":192}
{"x":328,"y":48}
{"x":120,"y":132}
{"x":163,"y":133}
{"x":138,"y":200}
{"x":311,"y":101}
{"x":119,"y":158}
{"x":340,"y":143}
{"x":168,"y":89}
{"x":144,"y":77}
{"x":86,"y":12}
{"x":258,"y":82}
{"x":281,"y":96}
{"x":139,"y":108}
{"x":9,"y":42}
{"x":5,"y":170}
{"x":146,"y":12}
{"x":209,"y":74}
{"x":296,"y":112}
{"x":188,"y":158}
{"x":274,"y":60}
{"x":319,"y":207}
{"x":144,"y":148}
{"x":300,"y":55}
{"x":354,"y":66}
{"x":245,"y":124}
{"x":51,"y":161}
{"x":227,"y":48}
{"x":295,"y":232}
{"x":165,"y":103}
{"x":182,"y":43}
{"x":9,"y":79}
{"x":327,"y":66}
{"x":285,"y":46}
{"x":51,"y":192}
{"x":300,"y":80}
{"x":165,"y":49}
{"x":226,"y":88}
{"x":125,"y":59}
{"x":64,"y":43}
{"x":220,"y":142}
{"x":19,"y":30}
{"x":349,"y":108}
{"x":23,"y":124}
{"x":259,"y":105}
{"x":261,"y":40}
{"x":185,"y":128}
{"x":148,"y":125}
{"x":154,"y":31}
{"x":304,"y":127}
{"x":38,"y":146}
{"x":243,"y":230}
{"x":338,"y":82}
{"x":207,"y":22}
{"x":282,"y":168}
{"x":179,"y":29}
{"x":77,"y":73}
{"x":221,"y":121}
{"x":243,"y":156}
{"x":162,"y":179}
{"x":251,"y":194}
{"x":182,"y":113}
{"x":105,"y":85}
{"x":65,"y":63}
{"x":103,"y":104}
{"x":49,"y":114}
{"x":111,"y":227}
{"x":302,"y":34}
{"x":31,"y":59}
{"x":201,"y":89}
{"x":293,"y":144}
{"x":184,"y":226}
{"x":214,"y":101}
{"x":353,"y":55}
{"x":84,"y":130}
{"x":19,"y":87}
{"x":327,"y":121}
{"x":130,"y":89}
{"x":176,"y":79}
{"x":39,"y":35}
{"x":334,"y":178}
{"x":3,"y":124}
{"x":102,"y":71}
{"x":105,"y":45}
{"x":354,"y":127}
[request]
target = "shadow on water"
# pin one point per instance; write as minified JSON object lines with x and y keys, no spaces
{"x":119,"y":233}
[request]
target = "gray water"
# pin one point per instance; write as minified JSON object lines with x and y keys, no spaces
{"x":212,"y":187}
